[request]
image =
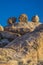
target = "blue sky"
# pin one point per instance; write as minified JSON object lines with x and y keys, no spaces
{"x":10,"y":8}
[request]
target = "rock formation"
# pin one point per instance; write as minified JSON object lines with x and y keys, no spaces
{"x":23,"y":18}
{"x":35,"y":19}
{"x":22,"y":43}
{"x":23,"y":26}
{"x":11,"y":20}
{"x":6,"y":37}
{"x":29,"y":46}
{"x":1,"y":28}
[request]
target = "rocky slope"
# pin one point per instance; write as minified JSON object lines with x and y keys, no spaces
{"x":31,"y":45}
{"x":23,"y":42}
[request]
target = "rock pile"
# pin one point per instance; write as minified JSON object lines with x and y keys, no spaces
{"x":21,"y":43}
{"x":23,"y":26}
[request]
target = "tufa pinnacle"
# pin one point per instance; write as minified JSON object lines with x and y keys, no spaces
{"x":11,"y":20}
{"x":23,"y":18}
{"x":35,"y":18}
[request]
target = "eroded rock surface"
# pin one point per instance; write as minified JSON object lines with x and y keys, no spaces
{"x":6,"y":37}
{"x":29,"y":48}
{"x":24,"y":42}
{"x":23,"y":26}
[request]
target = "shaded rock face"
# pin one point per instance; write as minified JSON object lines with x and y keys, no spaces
{"x":7,"y":37}
{"x":22,"y":43}
{"x":39,"y":28}
{"x":4,"y":42}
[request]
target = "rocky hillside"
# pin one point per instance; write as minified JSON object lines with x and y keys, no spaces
{"x":21,"y":43}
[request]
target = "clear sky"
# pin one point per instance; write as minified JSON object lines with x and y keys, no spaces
{"x":9,"y":8}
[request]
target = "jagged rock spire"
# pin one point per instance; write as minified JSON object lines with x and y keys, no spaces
{"x":35,"y":18}
{"x":12,"y":20}
{"x":23,"y":18}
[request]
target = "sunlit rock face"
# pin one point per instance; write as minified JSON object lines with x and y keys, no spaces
{"x":23,"y":18}
{"x":1,"y":28}
{"x":11,"y":20}
{"x":23,"y":26}
{"x":22,"y":42}
{"x":35,"y":19}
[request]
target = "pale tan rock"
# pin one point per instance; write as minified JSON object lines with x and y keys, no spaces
{"x":11,"y":20}
{"x":1,"y":28}
{"x":35,"y":19}
{"x":12,"y":62}
{"x":29,"y":47}
{"x":23,"y":18}
{"x":24,"y":26}
{"x":24,"y":50}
